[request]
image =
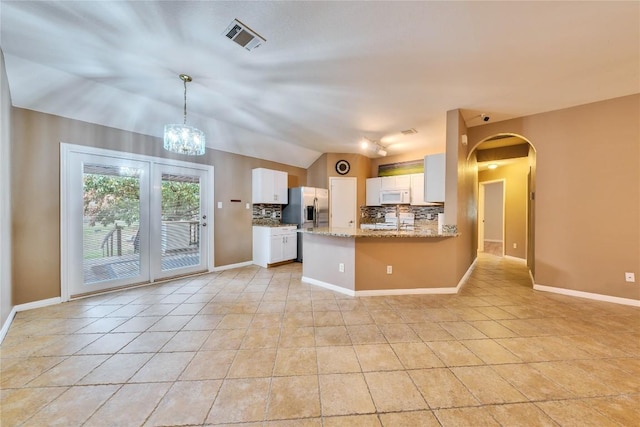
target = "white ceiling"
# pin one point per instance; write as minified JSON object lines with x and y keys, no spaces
{"x":329,"y":73}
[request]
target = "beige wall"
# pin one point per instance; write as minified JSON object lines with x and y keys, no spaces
{"x":35,"y":176}
{"x":587,"y":194}
{"x":6,"y":298}
{"x":515,"y":203}
{"x":416,"y":263}
{"x":461,"y":188}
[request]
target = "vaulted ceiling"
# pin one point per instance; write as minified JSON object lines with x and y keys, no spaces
{"x":329,"y":73}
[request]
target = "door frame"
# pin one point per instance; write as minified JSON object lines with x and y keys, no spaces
{"x":354,"y":180}
{"x":481,"y":212}
{"x":66,"y":150}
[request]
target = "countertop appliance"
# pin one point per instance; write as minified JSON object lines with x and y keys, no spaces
{"x":400,"y":196}
{"x":308,"y":207}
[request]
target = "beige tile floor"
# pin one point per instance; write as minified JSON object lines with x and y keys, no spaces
{"x":257,"y":347}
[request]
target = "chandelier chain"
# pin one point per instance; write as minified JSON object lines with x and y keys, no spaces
{"x":185,"y":102}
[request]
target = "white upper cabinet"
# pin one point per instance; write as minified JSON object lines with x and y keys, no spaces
{"x":373,"y":191}
{"x":269,"y":186}
{"x":417,"y":189}
{"x":395,"y":182}
{"x":434,"y":177}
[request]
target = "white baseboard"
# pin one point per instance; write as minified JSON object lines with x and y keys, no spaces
{"x":232,"y":266}
{"x":466,"y":275}
{"x":329,"y":286}
{"x":587,"y":295}
{"x":7,"y":324}
{"x":414,"y":291}
{"x":23,"y":307}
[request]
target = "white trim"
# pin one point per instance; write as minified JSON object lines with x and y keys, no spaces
{"x":413,"y":291}
{"x":38,"y":304}
{"x":493,"y":240}
{"x":464,"y":278}
{"x":329,"y":286}
{"x":23,"y":307}
{"x":587,"y":295}
{"x":389,"y":292}
{"x":232,"y":266}
{"x":7,"y":324}
{"x":515,"y":258}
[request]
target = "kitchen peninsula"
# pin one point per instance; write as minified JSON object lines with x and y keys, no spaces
{"x":379,"y":262}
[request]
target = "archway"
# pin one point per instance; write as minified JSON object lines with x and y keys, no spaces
{"x":511,"y":159}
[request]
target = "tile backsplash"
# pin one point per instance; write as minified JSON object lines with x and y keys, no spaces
{"x":426,"y":217}
{"x":264,"y":213}
{"x":373,"y":214}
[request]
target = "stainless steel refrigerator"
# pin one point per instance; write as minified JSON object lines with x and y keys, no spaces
{"x":308,"y":208}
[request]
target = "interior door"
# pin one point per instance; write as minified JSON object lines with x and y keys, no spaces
{"x":344,"y":202}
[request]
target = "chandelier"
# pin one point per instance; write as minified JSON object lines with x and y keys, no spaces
{"x":183,"y":139}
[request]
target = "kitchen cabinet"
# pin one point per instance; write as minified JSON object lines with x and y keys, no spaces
{"x":417,"y":189}
{"x":395,"y":182}
{"x":434,"y":178}
{"x":269,"y":186}
{"x":373,"y":191}
{"x":272,"y":245}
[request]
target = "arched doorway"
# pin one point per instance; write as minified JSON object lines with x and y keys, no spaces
{"x":508,"y":159}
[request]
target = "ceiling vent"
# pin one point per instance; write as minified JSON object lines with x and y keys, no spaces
{"x":243,"y":35}
{"x":409,"y":131}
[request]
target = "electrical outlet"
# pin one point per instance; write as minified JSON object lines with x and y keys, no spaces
{"x":389,"y":269}
{"x":247,"y":206}
{"x":515,"y":246}
{"x":219,"y":205}
{"x":341,"y":267}
{"x":630,"y":277}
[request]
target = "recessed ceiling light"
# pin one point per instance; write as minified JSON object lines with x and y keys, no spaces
{"x":492,"y":166}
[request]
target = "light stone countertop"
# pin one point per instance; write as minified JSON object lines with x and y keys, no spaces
{"x":356,"y":232}
{"x":273,"y":225}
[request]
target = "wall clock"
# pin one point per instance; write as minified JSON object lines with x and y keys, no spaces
{"x":342,"y":167}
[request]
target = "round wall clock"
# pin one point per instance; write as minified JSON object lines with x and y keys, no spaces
{"x":342,"y":167}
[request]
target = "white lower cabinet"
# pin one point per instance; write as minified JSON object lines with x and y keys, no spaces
{"x":272,"y":245}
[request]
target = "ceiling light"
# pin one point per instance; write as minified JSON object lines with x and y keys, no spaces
{"x":184,"y":139}
{"x":492,"y":166}
{"x":373,"y":146}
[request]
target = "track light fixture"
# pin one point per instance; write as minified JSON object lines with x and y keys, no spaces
{"x":373,"y":146}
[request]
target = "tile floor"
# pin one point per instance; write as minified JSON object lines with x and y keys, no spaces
{"x":256,"y":347}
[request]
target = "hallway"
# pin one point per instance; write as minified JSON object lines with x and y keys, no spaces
{"x":258,"y":347}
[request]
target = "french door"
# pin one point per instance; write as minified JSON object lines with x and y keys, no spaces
{"x":130,"y":219}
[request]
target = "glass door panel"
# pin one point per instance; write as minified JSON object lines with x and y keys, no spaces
{"x":110,"y":223}
{"x":107,"y":223}
{"x":182,"y":222}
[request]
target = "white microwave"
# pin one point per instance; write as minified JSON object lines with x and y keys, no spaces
{"x":400,"y":196}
